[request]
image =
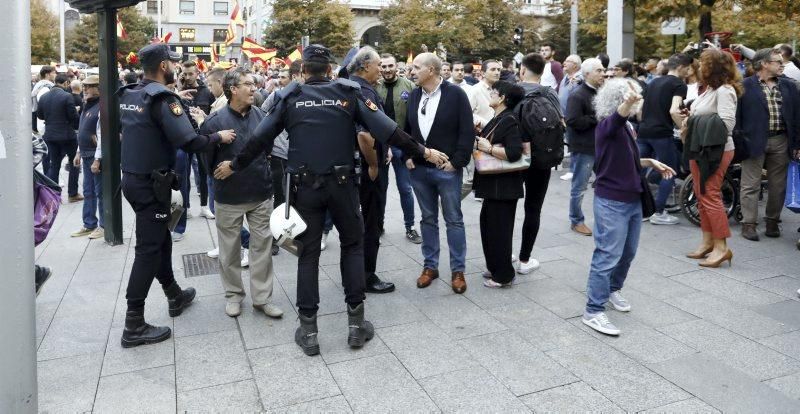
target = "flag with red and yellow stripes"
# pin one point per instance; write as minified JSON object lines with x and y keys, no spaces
{"x":256,"y":52}
{"x":121,"y":33}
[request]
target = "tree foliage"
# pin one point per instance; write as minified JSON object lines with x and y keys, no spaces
{"x":44,"y":34}
{"x":467,"y":29}
{"x":327,"y":22}
{"x":83,"y":41}
{"x":756,"y":23}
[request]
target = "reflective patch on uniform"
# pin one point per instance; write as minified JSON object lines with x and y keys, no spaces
{"x":176,"y":109}
{"x":371,"y":105}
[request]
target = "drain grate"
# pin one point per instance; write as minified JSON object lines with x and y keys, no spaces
{"x":199,"y":264}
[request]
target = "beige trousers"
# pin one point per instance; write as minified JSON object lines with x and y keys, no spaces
{"x":229,"y":222}
{"x":776,"y":161}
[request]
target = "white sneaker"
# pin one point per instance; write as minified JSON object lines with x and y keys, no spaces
{"x":270,"y":310}
{"x":245,"y":258}
{"x":324,"y":243}
{"x":176,"y":237}
{"x":663,"y":218}
{"x":566,"y":177}
{"x":206,"y":212}
{"x":618,"y":302}
{"x":798,"y":292}
{"x":213,"y":253}
{"x":525,"y":268}
{"x":233,"y":309}
{"x":600,"y":323}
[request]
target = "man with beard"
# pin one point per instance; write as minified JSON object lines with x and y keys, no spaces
{"x":553,"y":72}
{"x":201,"y":97}
{"x":154,"y":124}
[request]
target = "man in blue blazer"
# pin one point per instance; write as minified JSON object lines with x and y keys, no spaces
{"x":769,"y":115}
{"x":439,"y":116}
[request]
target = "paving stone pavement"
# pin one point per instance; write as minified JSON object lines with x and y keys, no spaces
{"x":697,"y":340}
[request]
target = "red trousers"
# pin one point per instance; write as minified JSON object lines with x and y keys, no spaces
{"x":713,"y":218}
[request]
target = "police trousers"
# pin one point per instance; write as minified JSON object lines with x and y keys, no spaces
{"x":341,"y":200}
{"x":153,"y":258}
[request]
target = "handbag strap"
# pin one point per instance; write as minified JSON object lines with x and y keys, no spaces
{"x":490,"y":135}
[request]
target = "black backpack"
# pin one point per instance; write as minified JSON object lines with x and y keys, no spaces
{"x":540,"y":120}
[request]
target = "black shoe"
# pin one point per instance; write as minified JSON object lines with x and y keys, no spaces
{"x":413,"y":236}
{"x":137,"y":332}
{"x":376,"y":285}
{"x":275,"y":248}
{"x":41,"y":275}
{"x":306,"y":335}
{"x":178,"y":299}
{"x":773,"y":229}
{"x":360,"y":330}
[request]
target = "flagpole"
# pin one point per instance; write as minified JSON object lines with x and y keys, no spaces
{"x":158,"y":3}
{"x":61,"y":29}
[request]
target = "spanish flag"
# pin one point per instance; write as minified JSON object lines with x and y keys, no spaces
{"x":296,"y":55}
{"x":121,"y":33}
{"x":214,"y":55}
{"x":256,"y":52}
{"x":231,"y":34}
{"x":236,"y":15}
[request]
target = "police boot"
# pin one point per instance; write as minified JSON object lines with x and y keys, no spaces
{"x":306,"y":335}
{"x":178,"y":299}
{"x":361,"y":331}
{"x":138,"y":332}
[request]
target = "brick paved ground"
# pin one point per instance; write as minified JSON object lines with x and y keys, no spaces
{"x":696,"y":340}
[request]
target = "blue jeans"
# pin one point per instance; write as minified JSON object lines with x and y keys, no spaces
{"x":403,"y":179}
{"x":662,"y":149}
{"x":431,"y":184}
{"x":582,"y":165}
{"x":616,"y":237}
{"x":92,"y":195}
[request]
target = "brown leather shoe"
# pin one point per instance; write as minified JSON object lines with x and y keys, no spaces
{"x":749,"y":231}
{"x":427,"y":277}
{"x":458,"y":283}
{"x":582,"y":229}
{"x":75,"y":198}
{"x":773,"y":229}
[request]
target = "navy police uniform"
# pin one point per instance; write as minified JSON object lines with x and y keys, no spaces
{"x":321,"y":118}
{"x":153,"y":125}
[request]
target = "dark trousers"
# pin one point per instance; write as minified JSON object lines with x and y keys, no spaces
{"x":536,"y":182}
{"x":57,"y":150}
{"x":153,"y":257}
{"x":341,"y":200}
{"x":200,"y":168}
{"x":383,"y":178}
{"x":372,"y":195}
{"x":277,"y":166}
{"x":497,"y":231}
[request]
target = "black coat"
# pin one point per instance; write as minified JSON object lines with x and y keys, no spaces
{"x":57,"y":109}
{"x":505,"y":186}
{"x":581,"y":120}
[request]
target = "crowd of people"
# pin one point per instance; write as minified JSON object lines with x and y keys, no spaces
{"x":496,"y":129}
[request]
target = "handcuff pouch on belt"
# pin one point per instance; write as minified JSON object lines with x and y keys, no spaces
{"x":164,"y":181}
{"x":342,"y":173}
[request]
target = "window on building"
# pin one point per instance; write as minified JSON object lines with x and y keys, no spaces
{"x":187,"y":7}
{"x":152,"y":6}
{"x":220,"y":35}
{"x":186,"y":34}
{"x":220,"y":8}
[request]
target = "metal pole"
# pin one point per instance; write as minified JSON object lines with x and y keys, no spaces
{"x":61,"y":30}
{"x":18,"y":389}
{"x":159,"y":18}
{"x":614,"y":31}
{"x":109,"y":124}
{"x":573,"y":28}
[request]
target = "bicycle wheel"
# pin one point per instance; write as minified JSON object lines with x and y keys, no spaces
{"x":688,"y":201}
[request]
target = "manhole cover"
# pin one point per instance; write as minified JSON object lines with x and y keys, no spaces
{"x":199,"y":264}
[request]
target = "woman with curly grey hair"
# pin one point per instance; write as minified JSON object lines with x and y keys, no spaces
{"x":617,"y":200}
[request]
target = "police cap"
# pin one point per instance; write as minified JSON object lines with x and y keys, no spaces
{"x":317,"y":53}
{"x":153,"y":54}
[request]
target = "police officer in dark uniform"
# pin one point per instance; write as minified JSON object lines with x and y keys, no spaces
{"x":154,"y":124}
{"x":321,"y":117}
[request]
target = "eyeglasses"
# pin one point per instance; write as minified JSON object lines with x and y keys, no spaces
{"x":424,"y":105}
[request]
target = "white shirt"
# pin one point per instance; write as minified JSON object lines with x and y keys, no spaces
{"x":791,"y":71}
{"x":548,"y":79}
{"x":431,"y":103}
{"x":479,"y":99}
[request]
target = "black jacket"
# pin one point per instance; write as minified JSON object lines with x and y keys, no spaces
{"x":705,"y":144}
{"x":505,"y":130}
{"x":252,"y":183}
{"x":452,"y":132}
{"x":370,"y":93}
{"x":57,"y":109}
{"x":581,"y":120}
{"x":203,"y":98}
